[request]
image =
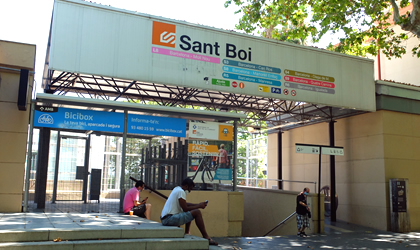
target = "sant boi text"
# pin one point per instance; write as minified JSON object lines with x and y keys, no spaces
{"x":213,"y":49}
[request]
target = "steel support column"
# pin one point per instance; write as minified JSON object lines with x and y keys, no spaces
{"x":86,"y":170}
{"x":56,"y":170}
{"x":332,"y":172}
{"x":279,"y":159}
{"x":42,"y":167}
{"x":235,"y":154}
{"x":122,"y":177}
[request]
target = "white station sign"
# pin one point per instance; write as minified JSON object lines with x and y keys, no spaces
{"x":95,"y":39}
{"x":332,"y":151}
{"x":319,"y":149}
{"x":307,"y":149}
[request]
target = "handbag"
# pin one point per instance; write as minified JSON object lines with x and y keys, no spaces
{"x":309,"y":214}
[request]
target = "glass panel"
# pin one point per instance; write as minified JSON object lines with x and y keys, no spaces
{"x":72,"y":155}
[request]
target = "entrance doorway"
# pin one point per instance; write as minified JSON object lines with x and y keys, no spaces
{"x":71,"y":168}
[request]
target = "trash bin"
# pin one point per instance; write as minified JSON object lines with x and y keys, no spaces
{"x":95,"y":184}
{"x":400,"y":216}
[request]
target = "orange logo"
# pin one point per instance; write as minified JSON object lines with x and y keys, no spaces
{"x":225,"y":132}
{"x":164,"y":34}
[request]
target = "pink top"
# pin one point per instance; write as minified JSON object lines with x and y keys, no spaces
{"x":223,"y":156}
{"x":129,"y":198}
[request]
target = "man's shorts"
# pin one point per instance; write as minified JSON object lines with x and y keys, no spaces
{"x":139,"y":210}
{"x":302,"y":221}
{"x":177,"y":219}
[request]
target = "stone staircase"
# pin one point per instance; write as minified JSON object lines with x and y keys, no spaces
{"x":91,"y":231}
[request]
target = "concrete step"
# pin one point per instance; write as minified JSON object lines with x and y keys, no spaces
{"x":187,"y":242}
{"x":84,"y":227}
{"x":91,"y":231}
{"x":89,"y":234}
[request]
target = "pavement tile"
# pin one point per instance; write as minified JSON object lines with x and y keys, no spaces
{"x":338,"y":235}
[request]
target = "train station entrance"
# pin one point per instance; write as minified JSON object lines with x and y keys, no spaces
{"x":154,"y":65}
{"x":87,"y":151}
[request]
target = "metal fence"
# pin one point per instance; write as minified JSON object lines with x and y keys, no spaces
{"x":264,"y":183}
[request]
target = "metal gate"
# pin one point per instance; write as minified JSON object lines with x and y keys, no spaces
{"x":71,"y":169}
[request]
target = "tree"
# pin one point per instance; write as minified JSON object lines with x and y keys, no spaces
{"x":366,"y":25}
{"x":132,"y":159}
{"x":133,"y":154}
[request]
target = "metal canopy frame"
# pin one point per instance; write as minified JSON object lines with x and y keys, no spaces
{"x":276,"y":113}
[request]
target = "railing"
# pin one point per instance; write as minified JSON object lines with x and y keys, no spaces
{"x":151,"y":189}
{"x":164,"y":167}
{"x":281,"y":223}
{"x":263,"y":183}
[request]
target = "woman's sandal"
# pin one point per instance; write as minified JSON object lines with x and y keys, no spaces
{"x":212,"y":242}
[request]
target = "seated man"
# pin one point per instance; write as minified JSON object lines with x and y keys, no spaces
{"x":177,"y":211}
{"x":131,"y":202}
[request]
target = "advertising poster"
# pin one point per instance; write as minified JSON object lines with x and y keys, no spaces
{"x":203,"y":158}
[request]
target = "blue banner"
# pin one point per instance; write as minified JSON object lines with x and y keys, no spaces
{"x":78,"y":119}
{"x":251,"y":72}
{"x":156,"y":125}
{"x":251,"y":79}
{"x":252,"y":66}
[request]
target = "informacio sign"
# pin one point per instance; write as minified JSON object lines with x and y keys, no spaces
{"x":79,"y":119}
{"x":210,"y":130}
{"x":159,"y":50}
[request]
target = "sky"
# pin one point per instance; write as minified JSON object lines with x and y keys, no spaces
{"x":28,"y":21}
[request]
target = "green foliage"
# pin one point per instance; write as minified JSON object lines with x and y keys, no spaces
{"x":416,"y":50}
{"x":133,"y":153}
{"x":363,"y":24}
{"x":259,"y":163}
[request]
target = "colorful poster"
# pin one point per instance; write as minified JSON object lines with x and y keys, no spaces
{"x":203,"y":160}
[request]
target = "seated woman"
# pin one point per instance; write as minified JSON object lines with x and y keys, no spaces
{"x":131,"y":202}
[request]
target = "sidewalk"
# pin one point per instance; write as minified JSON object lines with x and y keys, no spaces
{"x":337,"y":235}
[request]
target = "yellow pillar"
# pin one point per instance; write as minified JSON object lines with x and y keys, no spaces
{"x":13,"y":122}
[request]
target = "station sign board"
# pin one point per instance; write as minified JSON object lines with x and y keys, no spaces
{"x":303,"y":149}
{"x":333,"y":151}
{"x":165,"y":51}
{"x":318,"y":149}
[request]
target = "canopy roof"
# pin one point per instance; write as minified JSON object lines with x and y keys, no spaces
{"x":95,"y":57}
{"x":281,"y":114}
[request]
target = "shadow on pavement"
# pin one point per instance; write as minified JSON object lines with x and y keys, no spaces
{"x":337,"y":235}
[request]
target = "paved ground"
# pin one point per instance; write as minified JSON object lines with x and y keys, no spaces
{"x":338,"y":235}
